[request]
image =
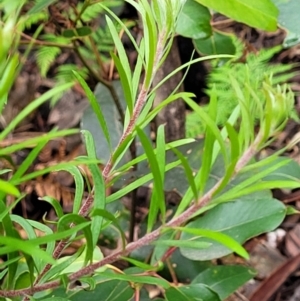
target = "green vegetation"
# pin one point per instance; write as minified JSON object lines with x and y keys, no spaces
{"x":225,"y":190}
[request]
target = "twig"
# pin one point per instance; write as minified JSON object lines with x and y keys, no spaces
{"x":43,"y":43}
{"x":145,"y":240}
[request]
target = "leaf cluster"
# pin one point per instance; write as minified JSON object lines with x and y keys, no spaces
{"x":227,"y":183}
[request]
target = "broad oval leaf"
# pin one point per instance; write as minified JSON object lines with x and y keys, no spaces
{"x":241,"y":219}
{"x":224,"y":280}
{"x":217,"y":43}
{"x":289,"y":19}
{"x":260,"y":14}
{"x":199,"y":292}
{"x":106,"y":289}
{"x":194,"y":21}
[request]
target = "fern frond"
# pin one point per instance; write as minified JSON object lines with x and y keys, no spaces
{"x":193,"y":126}
{"x":56,"y":39}
{"x":27,"y":21}
{"x":250,"y":74}
{"x":65,"y":74}
{"x":45,"y":57}
{"x":95,"y":9}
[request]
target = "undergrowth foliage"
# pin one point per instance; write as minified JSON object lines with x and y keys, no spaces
{"x":226,"y":186}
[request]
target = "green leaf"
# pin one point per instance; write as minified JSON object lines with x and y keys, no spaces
{"x":182,"y":243}
{"x":49,"y":246}
{"x":288,"y":19}
{"x":188,"y":172}
{"x":241,"y":219}
{"x":219,"y":237}
{"x":56,"y":299}
{"x":45,"y":58}
{"x":77,"y":32}
{"x":40,"y":139}
{"x":217,"y":43}
{"x":213,"y":128}
{"x":79,"y":186}
{"x":192,"y":292}
{"x":126,"y":83}
{"x":24,"y":246}
{"x":95,"y":105}
{"x":79,"y":262}
{"x":8,"y":188}
{"x":59,"y":166}
{"x":194,"y":21}
{"x":208,"y":150}
{"x":61,"y":265}
{"x":107,"y":215}
{"x":32,"y":106}
{"x":225,"y":280}
{"x":141,"y":265}
{"x":10,"y":231}
{"x":115,"y":127}
{"x":55,"y":204}
{"x":139,"y":279}
{"x":158,"y":200}
{"x":122,"y":65}
{"x":99,"y":188}
{"x":40,"y":5}
{"x":139,"y":182}
{"x":185,"y":269}
{"x":112,"y":290}
{"x":260,"y":14}
{"x":157,"y":204}
{"x":71,"y":218}
{"x":29,"y":160}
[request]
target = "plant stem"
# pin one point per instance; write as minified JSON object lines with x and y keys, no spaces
{"x":43,"y":43}
{"x":145,"y":240}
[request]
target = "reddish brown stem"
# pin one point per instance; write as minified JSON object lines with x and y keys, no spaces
{"x":145,"y":240}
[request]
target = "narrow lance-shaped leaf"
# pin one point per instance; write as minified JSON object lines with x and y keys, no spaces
{"x":29,"y":160}
{"x":55,"y":204}
{"x":159,"y":203}
{"x":71,"y":218}
{"x":234,"y":154}
{"x":59,"y":166}
{"x":209,"y":122}
{"x":138,"y":183}
{"x":107,"y":215}
{"x":62,"y":264}
{"x":96,"y":107}
{"x":171,"y":145}
{"x":188,"y":172}
{"x":9,"y":229}
{"x":33,"y":141}
{"x":222,"y":238}
{"x":49,"y":246}
{"x":8,"y":188}
{"x":122,"y":65}
{"x":254,"y":179}
{"x":125,"y":81}
{"x":191,"y":244}
{"x":99,"y":188}
{"x":32,"y":106}
{"x":27,"y":227}
{"x":25,"y":247}
{"x":208,"y":144}
{"x":79,"y":187}
{"x":150,"y":37}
